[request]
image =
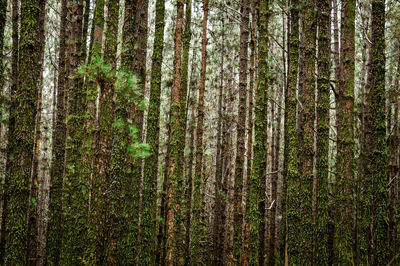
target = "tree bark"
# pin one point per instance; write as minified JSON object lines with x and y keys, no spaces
{"x":290,"y":170}
{"x":306,"y":148}
{"x":153,"y":121}
{"x":175,"y":166}
{"x":241,"y":129}
{"x":199,"y":236}
{"x":23,"y":112}
{"x":345,"y":135}
{"x":54,"y":228}
{"x":375,"y":135}
{"x":321,"y":251}
{"x":257,"y":179}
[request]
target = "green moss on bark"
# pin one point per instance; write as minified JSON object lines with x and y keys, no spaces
{"x":256,"y":183}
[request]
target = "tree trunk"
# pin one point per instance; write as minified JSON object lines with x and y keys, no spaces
{"x":187,"y":35}
{"x":375,"y":135}
{"x":23,"y":113}
{"x":290,"y":170}
{"x":54,"y":232}
{"x":199,"y":236}
{"x":14,"y":81}
{"x":306,"y":148}
{"x":175,"y":166}
{"x":321,"y":252}
{"x":257,"y":179}
{"x":153,"y":122}
{"x":393,"y":145}
{"x":345,"y":135}
{"x":189,"y":191}
{"x":228,"y":177}
{"x":241,"y":128}
{"x":252,"y":84}
{"x":104,"y":186}
{"x":75,"y":194}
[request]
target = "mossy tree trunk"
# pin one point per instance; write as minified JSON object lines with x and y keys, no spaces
{"x":250,"y":125}
{"x":256,"y":203}
{"x":175,"y":166}
{"x":104,"y":186}
{"x":75,"y":194}
{"x":200,"y":240}
{"x":54,"y":232}
{"x":376,"y":170}
{"x":321,"y":252}
{"x":306,"y":148}
{"x":187,"y":35}
{"x":23,"y":113}
{"x":14,"y":80}
{"x":241,"y":128}
{"x":219,"y":196}
{"x":145,"y":190}
{"x":153,"y":124}
{"x":345,"y":185}
{"x":290,"y":169}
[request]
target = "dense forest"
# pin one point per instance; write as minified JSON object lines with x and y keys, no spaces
{"x":199,"y":132}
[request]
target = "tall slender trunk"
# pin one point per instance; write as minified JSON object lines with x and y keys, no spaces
{"x":14,"y":81}
{"x":104,"y":185}
{"x":36,"y":213}
{"x":185,"y":92}
{"x":23,"y":113}
{"x":189,"y":190}
{"x":175,"y":166}
{"x":219,"y":198}
{"x":199,"y":236}
{"x":290,"y":170}
{"x":321,"y":251}
{"x":75,"y":194}
{"x":252,"y":84}
{"x":241,"y":128}
{"x":393,"y":145}
{"x":363,"y":209}
{"x":228,"y":169}
{"x":257,"y":180}
{"x":375,"y":135}
{"x":90,"y":139}
{"x":306,"y":148}
{"x":145,"y":190}
{"x":54,"y":232}
{"x":345,"y":135}
{"x":153,"y":120}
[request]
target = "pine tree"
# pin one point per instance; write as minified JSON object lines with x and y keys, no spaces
{"x":321,"y":251}
{"x":153,"y":120}
{"x":54,"y":227}
{"x":217,"y":235}
{"x":375,"y":135}
{"x":306,"y":147}
{"x":103,"y":185}
{"x":175,"y":166}
{"x":290,"y":170}
{"x":241,"y":127}
{"x":140,"y":9}
{"x":14,"y":80}
{"x":75,"y":194}
{"x":257,"y":180}
{"x":187,"y":36}
{"x":23,"y":113}
{"x":199,"y":235}
{"x":345,"y":132}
